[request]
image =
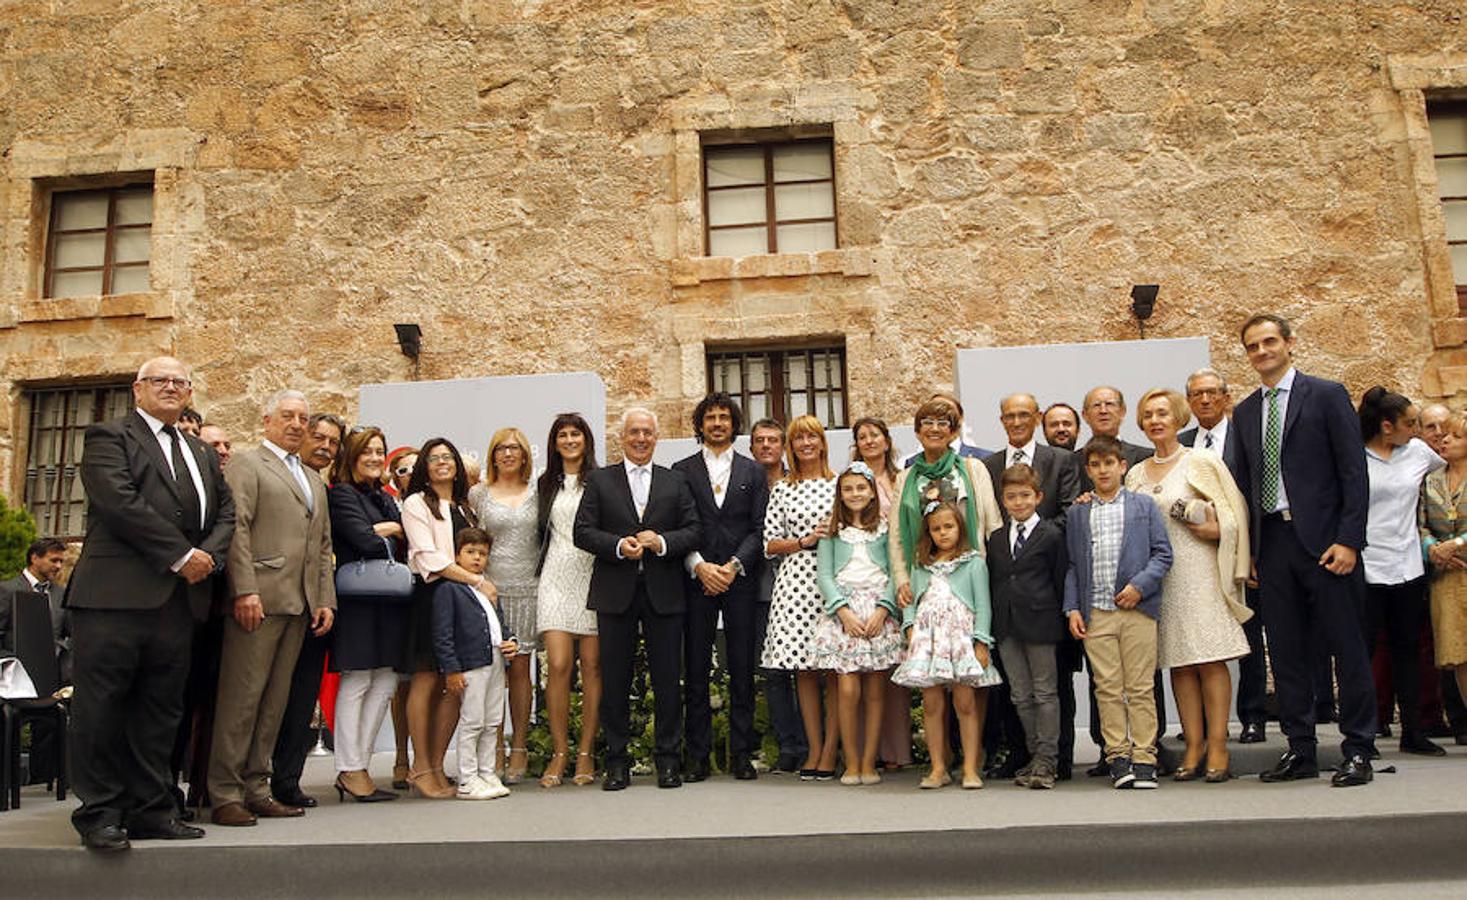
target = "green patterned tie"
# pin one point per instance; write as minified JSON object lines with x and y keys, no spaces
{"x":1271,"y":434}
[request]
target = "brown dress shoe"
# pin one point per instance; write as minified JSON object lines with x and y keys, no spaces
{"x":270,"y":808}
{"x":233,"y":814}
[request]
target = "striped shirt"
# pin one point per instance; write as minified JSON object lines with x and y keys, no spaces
{"x":1107,"y":528}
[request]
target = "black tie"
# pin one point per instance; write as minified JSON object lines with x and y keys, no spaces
{"x":44,"y":588}
{"x":1207,"y":443}
{"x":1019,"y":538}
{"x":187,"y":493}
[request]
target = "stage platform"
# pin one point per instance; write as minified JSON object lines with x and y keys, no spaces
{"x":780,"y":837}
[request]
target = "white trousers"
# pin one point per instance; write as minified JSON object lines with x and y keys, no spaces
{"x":362,"y":702}
{"x":480,"y":719}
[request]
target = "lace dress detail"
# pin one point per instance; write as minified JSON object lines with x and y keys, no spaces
{"x":565,"y":579}
{"x":512,"y":561}
{"x":940,"y":648}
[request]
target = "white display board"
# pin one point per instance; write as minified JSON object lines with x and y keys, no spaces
{"x":1064,"y":372}
{"x":468,"y":411}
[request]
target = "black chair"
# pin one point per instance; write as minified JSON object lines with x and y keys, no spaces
{"x":35,"y":647}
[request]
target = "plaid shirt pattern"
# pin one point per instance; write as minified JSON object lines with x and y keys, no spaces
{"x":1107,"y":528}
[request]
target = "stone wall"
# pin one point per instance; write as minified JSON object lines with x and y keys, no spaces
{"x":522,"y":179}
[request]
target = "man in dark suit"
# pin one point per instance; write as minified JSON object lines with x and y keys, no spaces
{"x":44,"y":558}
{"x":1211,"y":403}
{"x":639,"y":520}
{"x":159,"y":525}
{"x":731,"y":492}
{"x":1301,"y":465}
{"x":1059,"y":479}
{"x":1061,"y":426}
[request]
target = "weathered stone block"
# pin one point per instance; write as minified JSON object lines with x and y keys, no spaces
{"x":992,"y":45}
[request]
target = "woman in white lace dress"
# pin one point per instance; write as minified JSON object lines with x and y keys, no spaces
{"x":567,"y":627}
{"x":1199,"y":628}
{"x":506,"y":509}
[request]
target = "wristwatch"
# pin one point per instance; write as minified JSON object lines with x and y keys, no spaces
{"x":737,"y":565}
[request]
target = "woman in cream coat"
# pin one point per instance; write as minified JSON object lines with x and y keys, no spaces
{"x":1199,"y":628}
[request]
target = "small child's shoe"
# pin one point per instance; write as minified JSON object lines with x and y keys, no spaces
{"x":871,"y":778}
{"x":972,"y":782}
{"x":471,"y":788}
{"x":493,"y":787}
{"x":1021,"y":777}
{"x":932,"y":782}
{"x":850,"y":779}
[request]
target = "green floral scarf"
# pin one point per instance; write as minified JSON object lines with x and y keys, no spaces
{"x":914,"y":500}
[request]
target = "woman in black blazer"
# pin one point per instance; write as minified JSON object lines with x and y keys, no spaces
{"x":365,"y":524}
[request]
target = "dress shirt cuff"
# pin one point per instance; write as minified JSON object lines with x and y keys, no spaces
{"x":692,"y":562}
{"x":662,"y":548}
{"x":737,"y":564}
{"x":182,"y":561}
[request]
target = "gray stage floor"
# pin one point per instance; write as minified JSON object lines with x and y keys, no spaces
{"x":782,"y":805}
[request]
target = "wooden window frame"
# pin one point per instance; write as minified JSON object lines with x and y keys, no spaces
{"x":770,"y":223}
{"x":110,"y":230}
{"x":776,"y":390}
{"x":50,"y":512}
{"x":1454,"y":108}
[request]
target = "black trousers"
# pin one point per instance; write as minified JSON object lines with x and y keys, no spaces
{"x":664,"y":637}
{"x":1399,"y":610}
{"x":1307,"y":609}
{"x":131,"y":666}
{"x":297,"y":737}
{"x":700,"y":631}
{"x":190,"y":760}
{"x":1253,"y":669}
{"x":779,"y":694}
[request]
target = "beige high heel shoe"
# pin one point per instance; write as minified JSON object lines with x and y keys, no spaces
{"x":584,"y":778}
{"x":553,"y":779}
{"x":422,"y":782}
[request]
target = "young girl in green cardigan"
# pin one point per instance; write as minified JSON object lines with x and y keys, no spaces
{"x":859,"y":639}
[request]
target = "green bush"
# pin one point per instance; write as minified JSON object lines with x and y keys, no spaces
{"x":17,"y":531}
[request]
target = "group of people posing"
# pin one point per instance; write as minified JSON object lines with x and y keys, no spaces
{"x":980,"y":579}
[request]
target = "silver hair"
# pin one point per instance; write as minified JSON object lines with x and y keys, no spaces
{"x":272,"y":405}
{"x":1206,"y":373}
{"x":639,"y":411}
{"x":143,"y":369}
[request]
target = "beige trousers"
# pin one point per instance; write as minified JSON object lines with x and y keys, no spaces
{"x":254,"y":684}
{"x":1121,"y":646}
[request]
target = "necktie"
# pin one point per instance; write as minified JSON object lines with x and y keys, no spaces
{"x":1019,"y":538}
{"x":44,"y":587}
{"x":1272,"y":431}
{"x":300,"y":476}
{"x":639,"y":489}
{"x":1207,"y":442}
{"x":1019,"y":457}
{"x":188,"y":495}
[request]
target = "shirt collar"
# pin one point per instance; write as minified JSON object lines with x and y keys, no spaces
{"x":1120,"y":495}
{"x":278,"y":451}
{"x":154,"y":423}
{"x":31,"y":578}
{"x":632,"y":467}
{"x":1027,"y":448}
{"x":1029,"y":524}
{"x":710,"y":456}
{"x":1286,"y":384}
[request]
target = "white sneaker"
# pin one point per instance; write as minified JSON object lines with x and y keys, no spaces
{"x":493,"y":787}
{"x":472,"y":788}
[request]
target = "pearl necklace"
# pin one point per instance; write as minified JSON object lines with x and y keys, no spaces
{"x":1163,"y":460}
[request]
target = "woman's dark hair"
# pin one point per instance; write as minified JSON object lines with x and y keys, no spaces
{"x":418,"y":481}
{"x":879,"y":425}
{"x":343,"y":471}
{"x":717,"y":400}
{"x":1379,"y":406}
{"x":553,"y":478}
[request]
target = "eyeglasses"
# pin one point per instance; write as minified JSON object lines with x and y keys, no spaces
{"x":1021,"y":416}
{"x":1207,"y":393}
{"x":162,"y":381}
{"x":403,"y":470}
{"x":358,"y":429}
{"x":509,"y":448}
{"x":440,"y":457}
{"x":944,"y":424}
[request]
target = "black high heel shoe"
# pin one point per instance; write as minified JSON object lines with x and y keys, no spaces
{"x":377,"y":796}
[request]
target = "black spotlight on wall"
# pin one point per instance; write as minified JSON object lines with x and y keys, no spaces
{"x":1143,"y":304}
{"x":410,"y":342}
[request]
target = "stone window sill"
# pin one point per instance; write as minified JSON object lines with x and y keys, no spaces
{"x":846,"y":262}
{"x":151,"y":304}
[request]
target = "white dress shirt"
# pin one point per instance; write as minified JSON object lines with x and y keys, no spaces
{"x":1392,"y":553}
{"x":639,"y":479}
{"x":496,"y":636}
{"x":1219,"y":431}
{"x":1029,"y":524}
{"x":1027,"y":450}
{"x":166,"y":443}
{"x":1286,"y":390}
{"x":720,"y":468}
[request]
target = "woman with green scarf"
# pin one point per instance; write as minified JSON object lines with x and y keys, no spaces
{"x":938,"y":473}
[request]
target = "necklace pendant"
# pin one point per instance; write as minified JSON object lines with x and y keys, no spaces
{"x":717,"y":489}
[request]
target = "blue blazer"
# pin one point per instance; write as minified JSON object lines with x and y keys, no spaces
{"x":1146,"y":555}
{"x":1323,"y":460}
{"x":461,"y":628}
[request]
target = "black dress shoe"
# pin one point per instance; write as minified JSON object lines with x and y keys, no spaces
{"x":1064,"y":772}
{"x":106,"y":839}
{"x":1383,"y":731}
{"x":790,"y":764}
{"x":1460,"y":740}
{"x":1291,"y":767}
{"x":1353,"y":772}
{"x":696,"y":771}
{"x":1099,"y":770}
{"x":617,"y":778}
{"x":172,"y":830}
{"x":187,"y":814}
{"x":667,"y":777}
{"x":1252,"y":733}
{"x":743,"y":769}
{"x":295,"y":797}
{"x":1420,"y":745}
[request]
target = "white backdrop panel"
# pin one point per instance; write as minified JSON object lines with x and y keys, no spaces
{"x":1064,"y":372}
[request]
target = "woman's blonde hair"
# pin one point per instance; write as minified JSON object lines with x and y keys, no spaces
{"x":527,"y":460}
{"x":806,"y":425}
{"x":1181,"y":412}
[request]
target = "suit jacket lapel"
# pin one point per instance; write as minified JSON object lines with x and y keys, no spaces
{"x":624,"y":488}
{"x":152,"y":450}
{"x":201,"y":458}
{"x":702,"y":481}
{"x":1299,"y":393}
{"x":276,"y":465}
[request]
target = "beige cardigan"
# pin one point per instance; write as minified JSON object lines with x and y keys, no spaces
{"x":989,"y":518}
{"x":1209,"y":476}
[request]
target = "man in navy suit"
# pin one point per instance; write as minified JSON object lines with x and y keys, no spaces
{"x":1211,"y":403}
{"x":731,"y":492}
{"x":1301,"y":464}
{"x":639,"y":521}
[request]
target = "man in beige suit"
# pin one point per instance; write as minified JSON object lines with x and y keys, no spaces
{"x":281,"y":579}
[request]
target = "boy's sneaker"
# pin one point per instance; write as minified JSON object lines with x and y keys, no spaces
{"x":1021,"y":777}
{"x":1121,"y":775}
{"x":493,"y":787}
{"x":1145,"y":776}
{"x":471,"y":788}
{"x":1042,"y":777}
